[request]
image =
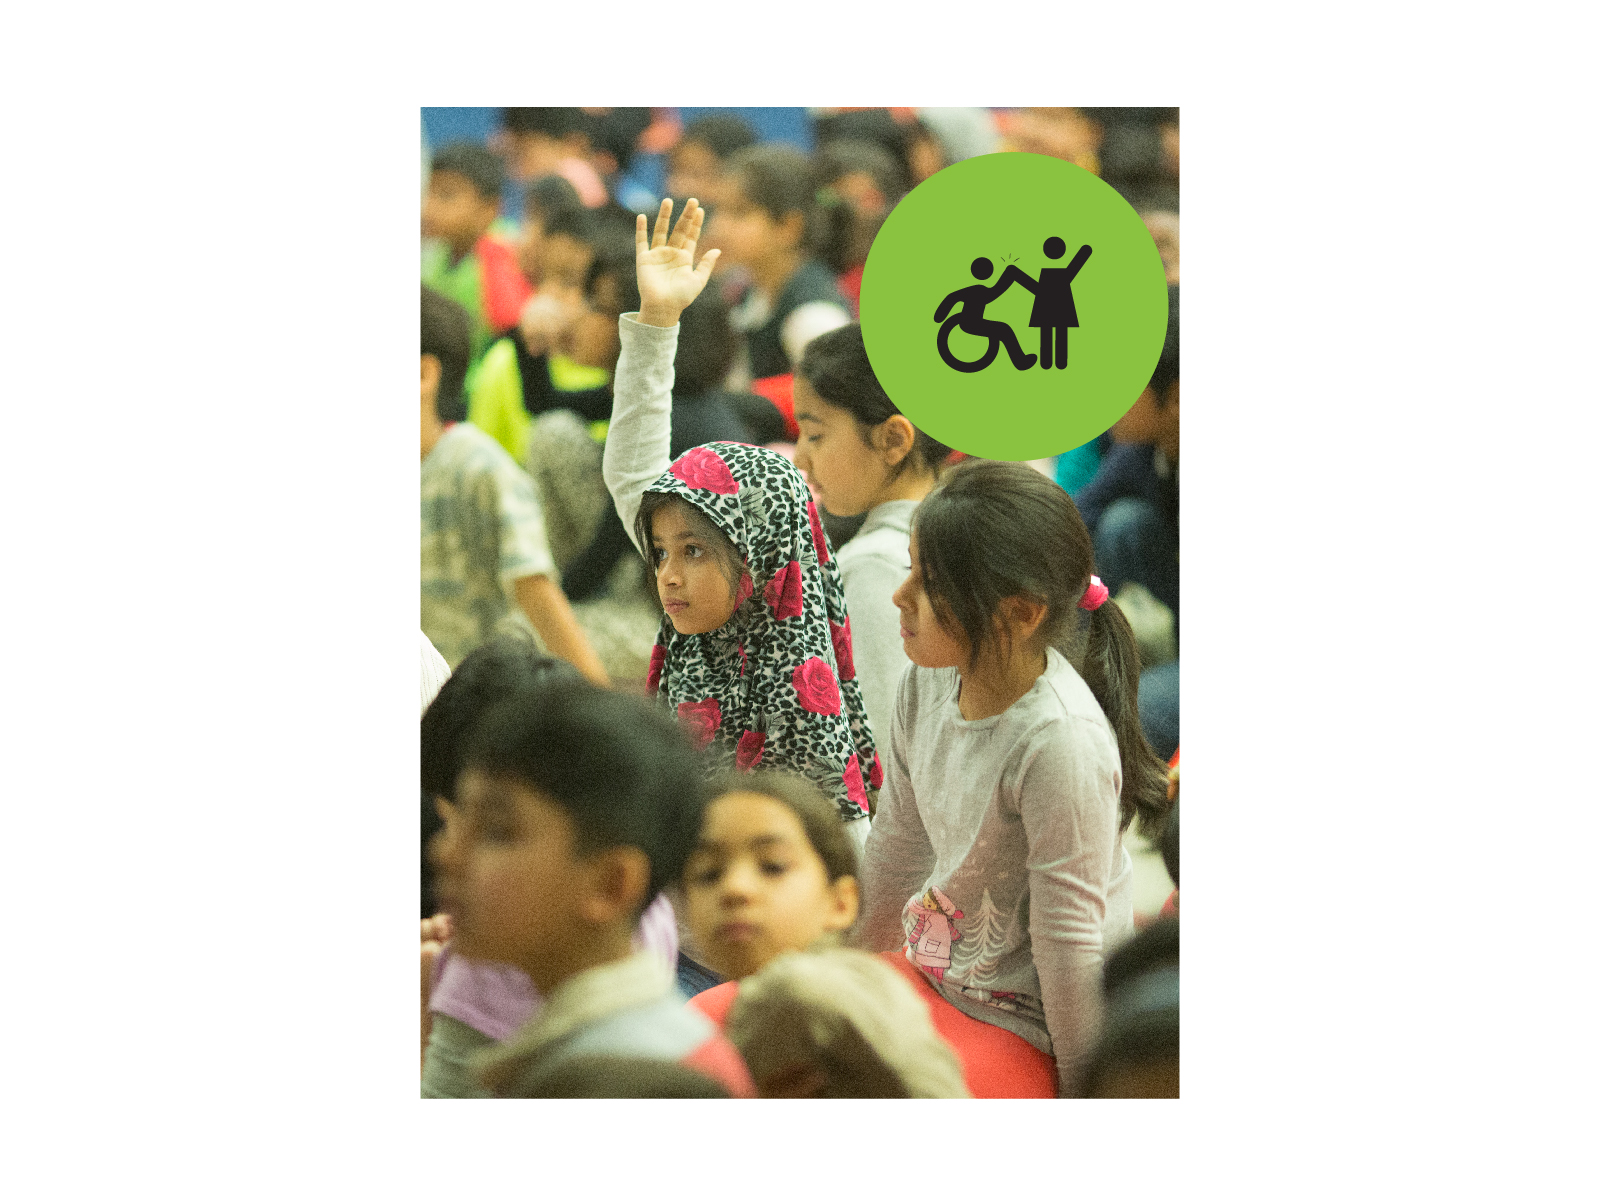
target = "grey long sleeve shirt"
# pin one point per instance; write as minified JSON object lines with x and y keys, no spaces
{"x":996,"y":861}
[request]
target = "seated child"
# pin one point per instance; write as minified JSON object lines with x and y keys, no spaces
{"x":772,"y":871}
{"x":768,"y":224}
{"x":840,"y":1024}
{"x":485,"y":565}
{"x":698,"y":164}
{"x":552,"y":141}
{"x":540,"y":364}
{"x":858,"y":183}
{"x":996,"y":863}
{"x":862,"y":457}
{"x":576,"y":805}
{"x":1131,"y":506}
{"x":471,"y":1005}
{"x":545,"y":199}
{"x":461,"y":260}
{"x":754,"y":649}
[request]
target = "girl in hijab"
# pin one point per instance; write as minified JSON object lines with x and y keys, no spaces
{"x":754,"y":650}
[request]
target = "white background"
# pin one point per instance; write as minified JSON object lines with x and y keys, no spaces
{"x":211,"y":586}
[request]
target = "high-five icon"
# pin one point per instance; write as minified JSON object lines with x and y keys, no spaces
{"x":1053,"y":314}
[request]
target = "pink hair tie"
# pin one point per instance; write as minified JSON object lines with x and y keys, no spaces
{"x":1094,"y":595}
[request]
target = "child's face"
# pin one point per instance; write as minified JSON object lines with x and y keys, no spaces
{"x":510,"y":878}
{"x":693,"y":170}
{"x":530,"y":245}
{"x":563,"y":263}
{"x":755,"y":887}
{"x":927,"y":643}
{"x":844,"y":471}
{"x":536,"y":154}
{"x":744,"y":232}
{"x":694,"y":591}
{"x":453,"y":210}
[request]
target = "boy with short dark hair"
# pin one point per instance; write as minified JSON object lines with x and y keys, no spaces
{"x":553,"y":141}
{"x":577,"y":806}
{"x":461,"y":260}
{"x":698,"y":164}
{"x":486,"y":568}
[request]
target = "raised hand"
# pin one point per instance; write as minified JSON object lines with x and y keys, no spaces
{"x":669,"y":277}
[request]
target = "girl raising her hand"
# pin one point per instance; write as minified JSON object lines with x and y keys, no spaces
{"x":753,"y":652}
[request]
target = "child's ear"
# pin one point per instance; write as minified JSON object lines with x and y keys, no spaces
{"x":845,"y":898}
{"x":431,"y":372}
{"x":1025,"y":614}
{"x":894,"y":438}
{"x":617,"y":880}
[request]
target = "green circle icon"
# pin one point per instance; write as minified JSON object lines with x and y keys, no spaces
{"x":981,"y":278}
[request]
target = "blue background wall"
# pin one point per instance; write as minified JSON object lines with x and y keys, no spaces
{"x":792,"y":125}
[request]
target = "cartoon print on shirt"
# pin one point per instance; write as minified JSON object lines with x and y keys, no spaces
{"x":933,"y":932}
{"x":982,"y":946}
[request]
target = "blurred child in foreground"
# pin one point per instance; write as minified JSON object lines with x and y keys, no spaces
{"x":576,"y":805}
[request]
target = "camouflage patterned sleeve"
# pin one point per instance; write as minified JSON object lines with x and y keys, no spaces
{"x":523,"y":549}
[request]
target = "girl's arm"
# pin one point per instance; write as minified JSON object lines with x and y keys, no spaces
{"x":640,"y":436}
{"x":1067,"y":797}
{"x":898,"y":857}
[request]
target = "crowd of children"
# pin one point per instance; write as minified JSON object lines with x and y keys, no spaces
{"x":769,"y":747}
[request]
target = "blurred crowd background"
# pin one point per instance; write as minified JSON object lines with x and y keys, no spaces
{"x":528,"y":227}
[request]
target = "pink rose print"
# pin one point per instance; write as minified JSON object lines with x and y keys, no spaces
{"x":701,"y":720}
{"x":841,"y":636}
{"x":749,"y":752}
{"x":853,"y":783}
{"x":816,"y":690}
{"x":784,"y":592}
{"x":653,"y":678}
{"x":817,"y":533}
{"x":705,"y":471}
{"x":746,"y":588}
{"x":875,"y":775}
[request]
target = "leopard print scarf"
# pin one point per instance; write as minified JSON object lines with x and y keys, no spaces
{"x":775,"y":686}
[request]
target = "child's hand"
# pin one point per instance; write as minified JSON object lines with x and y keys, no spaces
{"x":669,"y":278}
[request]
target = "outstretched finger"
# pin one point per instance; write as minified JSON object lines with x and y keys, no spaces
{"x":664,"y":216}
{"x":703,"y":269}
{"x":688,"y":230}
{"x":641,"y":237}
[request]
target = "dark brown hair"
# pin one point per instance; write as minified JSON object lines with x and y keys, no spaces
{"x":835,"y":364}
{"x":994,"y":530}
{"x":724,"y":552}
{"x":778,"y":179}
{"x":819,"y":816}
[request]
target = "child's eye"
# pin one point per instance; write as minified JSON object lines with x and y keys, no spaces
{"x":694,"y":551}
{"x":706,"y":875}
{"x":814,"y":438}
{"x":774,"y":869}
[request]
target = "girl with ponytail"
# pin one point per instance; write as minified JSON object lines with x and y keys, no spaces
{"x":1015,"y":761}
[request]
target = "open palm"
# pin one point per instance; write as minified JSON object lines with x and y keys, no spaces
{"x":669,"y":278}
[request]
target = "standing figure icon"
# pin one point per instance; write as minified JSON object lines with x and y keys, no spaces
{"x":1054,"y":312}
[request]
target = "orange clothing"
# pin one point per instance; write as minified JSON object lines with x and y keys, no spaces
{"x":996,"y":1064}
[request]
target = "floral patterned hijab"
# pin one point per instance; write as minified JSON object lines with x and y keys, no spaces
{"x":774,"y":686}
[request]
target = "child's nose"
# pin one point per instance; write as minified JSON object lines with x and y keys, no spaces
{"x":739,"y":882}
